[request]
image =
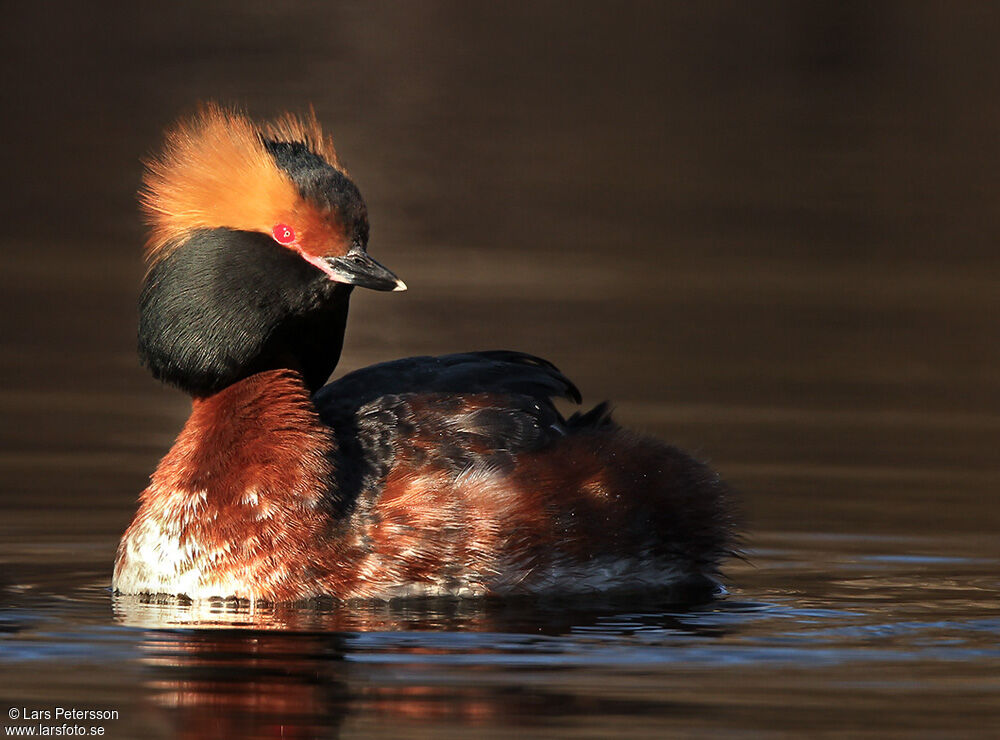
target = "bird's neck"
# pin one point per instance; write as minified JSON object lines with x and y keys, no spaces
{"x":243,"y":497}
{"x":261,"y":432}
{"x":314,"y":341}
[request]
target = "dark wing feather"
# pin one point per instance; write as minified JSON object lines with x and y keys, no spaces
{"x":497,"y":371}
{"x":455,"y":411}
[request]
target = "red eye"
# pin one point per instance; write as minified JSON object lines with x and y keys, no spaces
{"x":283,"y":233}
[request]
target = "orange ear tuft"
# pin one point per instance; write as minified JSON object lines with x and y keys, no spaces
{"x":306,"y":130}
{"x":214,"y":172}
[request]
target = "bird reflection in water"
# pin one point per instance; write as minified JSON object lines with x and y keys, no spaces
{"x":226,"y":669}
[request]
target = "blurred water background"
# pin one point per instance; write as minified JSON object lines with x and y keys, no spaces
{"x":768,"y":231}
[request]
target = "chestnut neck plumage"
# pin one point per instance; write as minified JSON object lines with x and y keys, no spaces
{"x":242,"y":499}
{"x":227,"y":446}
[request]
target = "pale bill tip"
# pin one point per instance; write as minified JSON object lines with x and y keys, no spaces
{"x":400,"y":286}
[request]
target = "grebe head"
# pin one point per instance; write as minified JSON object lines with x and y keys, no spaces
{"x":257,"y":238}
